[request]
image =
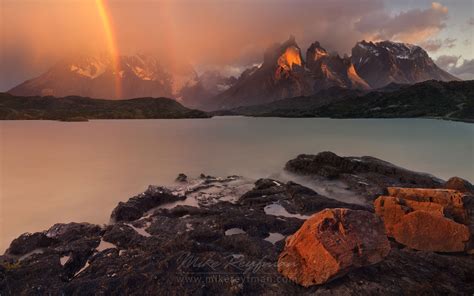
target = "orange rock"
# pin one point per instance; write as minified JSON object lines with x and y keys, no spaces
{"x":391,"y":211}
{"x":422,"y":230}
{"x":330,"y":244}
{"x":452,"y":200}
{"x":444,"y":197}
{"x":428,"y":219}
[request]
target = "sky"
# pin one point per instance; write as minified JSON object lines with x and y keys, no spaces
{"x":225,"y":34}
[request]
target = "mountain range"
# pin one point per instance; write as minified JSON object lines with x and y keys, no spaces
{"x":141,"y":75}
{"x":284,"y":73}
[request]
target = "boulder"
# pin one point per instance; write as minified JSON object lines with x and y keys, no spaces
{"x":422,"y":230}
{"x":456,"y":205}
{"x":437,"y":220}
{"x":332,"y":243}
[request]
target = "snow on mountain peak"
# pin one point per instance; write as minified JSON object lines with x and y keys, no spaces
{"x":90,"y":67}
{"x":398,"y":50}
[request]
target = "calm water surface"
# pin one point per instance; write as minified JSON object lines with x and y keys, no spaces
{"x":61,"y":172}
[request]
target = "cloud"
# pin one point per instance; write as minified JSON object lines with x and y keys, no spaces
{"x":451,"y":63}
{"x":450,"y":42}
{"x":447,"y":62}
{"x":434,"y":45}
{"x":199,"y":32}
{"x":229,"y":34}
{"x":464,"y":70}
{"x":470,"y":21}
{"x":415,"y":25}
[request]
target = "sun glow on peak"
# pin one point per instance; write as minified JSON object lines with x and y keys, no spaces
{"x":290,"y":57}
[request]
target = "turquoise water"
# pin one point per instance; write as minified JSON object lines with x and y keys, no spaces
{"x":61,"y":172}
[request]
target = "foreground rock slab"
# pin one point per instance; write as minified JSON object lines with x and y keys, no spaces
{"x":437,"y":220}
{"x":330,"y":244}
{"x":367,"y":176}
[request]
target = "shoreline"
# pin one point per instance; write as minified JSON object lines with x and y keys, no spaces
{"x":173,"y":231}
{"x":249,"y":116}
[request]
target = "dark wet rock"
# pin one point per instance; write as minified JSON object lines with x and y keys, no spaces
{"x":182,"y":178}
{"x":367,"y":176}
{"x":122,"y":235}
{"x":293,"y":197}
{"x":29,"y":242}
{"x":73,"y":231}
{"x":184,"y":249}
{"x":136,"y":206}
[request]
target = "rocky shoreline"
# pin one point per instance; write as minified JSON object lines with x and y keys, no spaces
{"x":224,"y":236}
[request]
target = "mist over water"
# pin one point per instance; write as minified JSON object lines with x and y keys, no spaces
{"x":61,"y":172}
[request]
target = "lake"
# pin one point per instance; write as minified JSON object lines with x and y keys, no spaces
{"x":61,"y":172}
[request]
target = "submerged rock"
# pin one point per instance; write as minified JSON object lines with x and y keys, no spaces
{"x":428,"y":219}
{"x":330,"y":244}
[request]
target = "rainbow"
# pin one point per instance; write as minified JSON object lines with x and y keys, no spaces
{"x":111,"y":45}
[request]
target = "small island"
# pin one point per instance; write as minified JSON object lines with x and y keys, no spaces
{"x":79,"y":109}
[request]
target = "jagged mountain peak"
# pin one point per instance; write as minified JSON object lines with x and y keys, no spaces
{"x":315,"y":52}
{"x":329,"y":70}
{"x":380,"y":63}
{"x":397,"y":49}
{"x":284,"y":54}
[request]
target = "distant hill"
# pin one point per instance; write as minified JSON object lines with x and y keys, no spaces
{"x":448,"y":100}
{"x":82,"y":109}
